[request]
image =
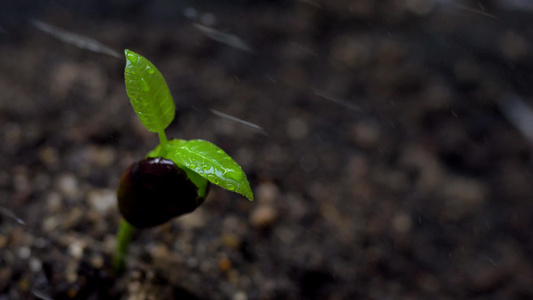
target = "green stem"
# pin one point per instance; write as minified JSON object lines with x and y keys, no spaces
{"x":125,"y":232}
{"x":164,"y":143}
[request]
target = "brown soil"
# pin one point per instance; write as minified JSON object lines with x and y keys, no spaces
{"x":388,"y":170}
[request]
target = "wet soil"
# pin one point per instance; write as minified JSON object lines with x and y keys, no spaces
{"x":387,"y":168}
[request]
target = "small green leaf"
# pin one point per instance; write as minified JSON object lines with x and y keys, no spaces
{"x":148,"y":92}
{"x":213,"y":164}
{"x":173,"y":145}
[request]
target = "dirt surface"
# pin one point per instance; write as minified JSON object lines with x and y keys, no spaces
{"x":390,"y":166}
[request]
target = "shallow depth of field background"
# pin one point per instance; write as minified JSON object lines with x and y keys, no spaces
{"x":389,"y":148}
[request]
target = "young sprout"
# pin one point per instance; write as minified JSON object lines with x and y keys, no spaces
{"x":174,"y":177}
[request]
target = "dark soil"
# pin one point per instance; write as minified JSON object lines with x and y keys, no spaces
{"x":388,"y":167}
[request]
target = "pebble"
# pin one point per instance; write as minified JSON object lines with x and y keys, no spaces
{"x":35,"y":265}
{"x":97,"y":261}
{"x":20,"y":180}
{"x":50,"y":223}
{"x":68,"y":185}
{"x":100,"y":156}
{"x":366,"y":134}
{"x":48,"y":156}
{"x":102,"y":200}
{"x":193,"y":221}
{"x":24,"y":252}
{"x":76,"y":249}
{"x":158,"y":251}
{"x":224,"y":264}
{"x":231,"y":241}
{"x":267,"y":192}
{"x":240,"y":295}
{"x":71,"y":274}
{"x":53,"y":202}
{"x":263,"y":216}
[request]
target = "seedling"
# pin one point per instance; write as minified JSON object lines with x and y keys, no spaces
{"x":174,"y":177}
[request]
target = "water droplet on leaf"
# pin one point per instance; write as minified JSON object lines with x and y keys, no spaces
{"x":230,"y":186}
{"x":144,"y":86}
{"x":206,"y":167}
{"x":192,"y":166}
{"x":132,"y":57}
{"x":235,"y":176}
{"x":150,"y":70}
{"x":213,"y":178}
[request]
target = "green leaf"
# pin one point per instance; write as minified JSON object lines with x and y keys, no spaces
{"x":174,"y":144}
{"x":148,"y":92}
{"x":213,"y":164}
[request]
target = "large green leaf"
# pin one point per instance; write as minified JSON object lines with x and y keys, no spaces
{"x":174,"y":144}
{"x":148,"y":92}
{"x":213,"y":164}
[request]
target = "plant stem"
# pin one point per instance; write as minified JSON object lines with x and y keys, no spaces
{"x":125,"y":232}
{"x":164,"y":143}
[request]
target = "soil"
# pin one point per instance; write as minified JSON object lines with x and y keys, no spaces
{"x":388,"y":165}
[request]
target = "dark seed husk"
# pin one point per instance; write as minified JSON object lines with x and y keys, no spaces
{"x":155,"y":190}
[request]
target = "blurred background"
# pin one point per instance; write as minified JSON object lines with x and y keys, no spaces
{"x":388,"y":144}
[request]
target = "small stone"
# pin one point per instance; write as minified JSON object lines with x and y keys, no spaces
{"x":48,"y":155}
{"x":240,"y":295}
{"x":68,"y":185}
{"x":71,"y":274}
{"x":76,"y":249}
{"x":50,"y":224}
{"x":267,"y":192}
{"x":24,"y":285}
{"x":97,"y":261}
{"x":110,"y":243}
{"x":102,"y":200}
{"x":224,"y":264}
{"x":263,"y":216}
{"x":20,"y":180}
{"x":366,"y":134}
{"x":100,"y":156}
{"x":24,"y":252}
{"x":35,"y":265}
{"x":158,"y":251}
{"x":231,"y":241}
{"x":53,"y":202}
{"x":193,"y":221}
